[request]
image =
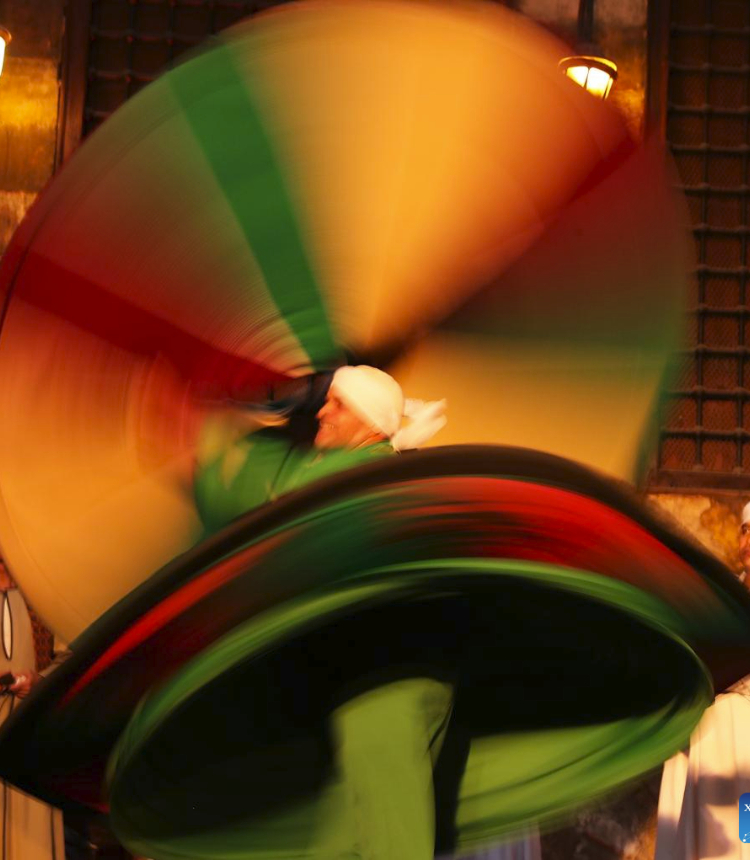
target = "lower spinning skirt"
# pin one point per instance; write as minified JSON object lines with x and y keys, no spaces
{"x":580,"y":639}
{"x":563,"y":685}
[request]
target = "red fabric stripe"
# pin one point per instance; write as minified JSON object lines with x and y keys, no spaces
{"x":86,"y":305}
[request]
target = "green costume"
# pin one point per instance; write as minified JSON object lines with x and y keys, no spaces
{"x":262,"y":466}
{"x":387,"y":740}
{"x":498,"y":571}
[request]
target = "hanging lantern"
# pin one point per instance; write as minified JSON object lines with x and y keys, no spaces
{"x":594,"y":74}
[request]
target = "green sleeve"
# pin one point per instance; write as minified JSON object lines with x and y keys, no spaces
{"x":241,"y":478}
{"x":262,"y":466}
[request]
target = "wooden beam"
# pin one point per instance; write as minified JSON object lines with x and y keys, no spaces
{"x":73,"y":78}
{"x":657,"y":68}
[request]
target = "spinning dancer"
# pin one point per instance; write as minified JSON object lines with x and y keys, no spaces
{"x":388,"y":739}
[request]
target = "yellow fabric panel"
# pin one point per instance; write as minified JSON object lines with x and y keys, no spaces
{"x":426,"y":146}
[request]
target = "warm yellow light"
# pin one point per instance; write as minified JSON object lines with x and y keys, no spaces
{"x":4,"y":39}
{"x":594,"y":74}
{"x":599,"y":83}
{"x":579,"y":74}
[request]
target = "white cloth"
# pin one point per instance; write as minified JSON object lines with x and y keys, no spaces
{"x":378,"y":400}
{"x":374,"y":395}
{"x":701,"y":787}
{"x":424,"y":421}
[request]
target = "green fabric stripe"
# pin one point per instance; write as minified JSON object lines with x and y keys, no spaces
{"x":506,"y":774}
{"x":274,"y":625}
{"x":225,"y":119}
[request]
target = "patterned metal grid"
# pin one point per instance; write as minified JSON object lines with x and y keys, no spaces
{"x":132,"y":41}
{"x":705,"y":440}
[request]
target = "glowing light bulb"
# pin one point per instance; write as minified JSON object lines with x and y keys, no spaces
{"x":4,"y":39}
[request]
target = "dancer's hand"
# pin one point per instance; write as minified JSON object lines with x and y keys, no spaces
{"x":25,"y":680}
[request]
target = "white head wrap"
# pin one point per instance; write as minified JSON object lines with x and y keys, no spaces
{"x":746,"y":514}
{"x":378,"y":400}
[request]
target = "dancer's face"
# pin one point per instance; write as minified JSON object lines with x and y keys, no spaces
{"x":340,"y":427}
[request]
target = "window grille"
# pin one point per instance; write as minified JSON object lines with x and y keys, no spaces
{"x":705,"y":439}
{"x":132,"y":41}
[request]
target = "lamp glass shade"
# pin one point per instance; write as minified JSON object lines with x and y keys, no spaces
{"x":4,"y":39}
{"x":599,"y":83}
{"x":594,"y":74}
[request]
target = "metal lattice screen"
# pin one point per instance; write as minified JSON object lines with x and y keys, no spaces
{"x":132,"y":41}
{"x":705,"y":442}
